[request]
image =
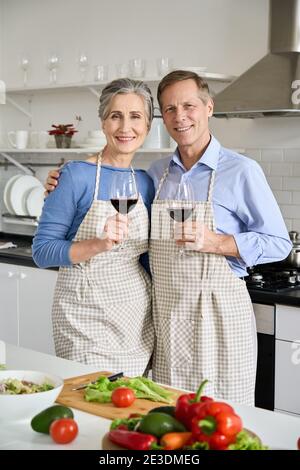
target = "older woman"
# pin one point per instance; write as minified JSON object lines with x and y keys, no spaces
{"x":102,"y":302}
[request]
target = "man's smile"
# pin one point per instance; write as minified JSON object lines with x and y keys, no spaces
{"x":183,"y":129}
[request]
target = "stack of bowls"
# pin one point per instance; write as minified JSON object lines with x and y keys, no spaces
{"x":95,"y":139}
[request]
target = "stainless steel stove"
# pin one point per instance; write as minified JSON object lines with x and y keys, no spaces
{"x":273,"y":278}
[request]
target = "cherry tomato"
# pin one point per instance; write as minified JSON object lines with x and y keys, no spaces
{"x":63,"y":430}
{"x":122,"y":397}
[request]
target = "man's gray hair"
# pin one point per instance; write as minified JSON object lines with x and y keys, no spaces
{"x":124,"y":86}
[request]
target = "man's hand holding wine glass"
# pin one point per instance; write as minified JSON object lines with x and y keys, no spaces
{"x":115,"y":230}
{"x":192,"y":235}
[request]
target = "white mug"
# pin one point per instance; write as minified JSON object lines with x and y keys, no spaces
{"x":39,"y":139}
{"x":20,"y":139}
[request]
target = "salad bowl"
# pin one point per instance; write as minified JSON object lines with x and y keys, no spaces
{"x":24,"y":393}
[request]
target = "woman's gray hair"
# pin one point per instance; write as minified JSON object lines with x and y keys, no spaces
{"x":124,"y":86}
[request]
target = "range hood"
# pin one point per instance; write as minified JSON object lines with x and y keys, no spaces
{"x":270,"y":87}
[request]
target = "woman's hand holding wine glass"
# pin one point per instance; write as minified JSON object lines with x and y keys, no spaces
{"x":115,"y":231}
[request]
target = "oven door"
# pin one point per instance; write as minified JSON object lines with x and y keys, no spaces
{"x":265,"y":373}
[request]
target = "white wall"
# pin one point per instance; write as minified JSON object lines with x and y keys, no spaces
{"x":224,"y":35}
{"x":1,"y":55}
{"x":216,"y":34}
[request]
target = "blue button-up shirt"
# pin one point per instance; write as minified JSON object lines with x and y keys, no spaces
{"x":244,"y":205}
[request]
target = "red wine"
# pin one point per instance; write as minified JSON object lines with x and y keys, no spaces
{"x":123,"y":206}
{"x":180,"y":215}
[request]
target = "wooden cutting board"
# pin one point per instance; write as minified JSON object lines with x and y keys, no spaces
{"x":75,"y":399}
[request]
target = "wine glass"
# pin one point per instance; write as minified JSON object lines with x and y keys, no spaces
{"x":123,"y":192}
{"x":53,"y":63}
{"x":83,"y":65}
{"x":25,"y":63}
{"x":183,"y":205}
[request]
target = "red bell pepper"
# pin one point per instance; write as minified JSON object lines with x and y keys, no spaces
{"x":187,"y":405}
{"x":217,"y":424}
{"x":132,"y":440}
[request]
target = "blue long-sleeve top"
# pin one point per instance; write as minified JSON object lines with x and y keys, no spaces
{"x":244,"y":205}
{"x":65,"y":208}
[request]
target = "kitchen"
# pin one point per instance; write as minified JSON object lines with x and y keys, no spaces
{"x":273,"y":141}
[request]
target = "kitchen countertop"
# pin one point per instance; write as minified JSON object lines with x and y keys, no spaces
{"x":286,"y":298}
{"x":22,"y":254}
{"x":278,"y":431}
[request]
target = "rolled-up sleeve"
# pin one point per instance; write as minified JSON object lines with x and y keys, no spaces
{"x":50,"y":244}
{"x":265,"y":238}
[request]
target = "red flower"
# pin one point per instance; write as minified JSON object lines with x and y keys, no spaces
{"x":62,"y":129}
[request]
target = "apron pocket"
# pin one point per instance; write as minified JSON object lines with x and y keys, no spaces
{"x":175,"y":341}
{"x":129,"y":328}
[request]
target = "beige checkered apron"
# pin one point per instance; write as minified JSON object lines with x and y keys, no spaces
{"x":102,"y":307}
{"x":203,"y":316}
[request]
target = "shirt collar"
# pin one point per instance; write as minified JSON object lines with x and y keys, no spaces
{"x":210,"y":157}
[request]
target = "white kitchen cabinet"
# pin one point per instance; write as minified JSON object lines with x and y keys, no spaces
{"x":287,"y":377}
{"x":287,"y":323}
{"x":287,"y":364}
{"x":26,"y":303}
{"x":8,"y":304}
{"x":36,"y":289}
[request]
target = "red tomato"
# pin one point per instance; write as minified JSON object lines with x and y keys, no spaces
{"x":122,"y":397}
{"x":63,"y":430}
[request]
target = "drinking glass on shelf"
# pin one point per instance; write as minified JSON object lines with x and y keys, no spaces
{"x":121,"y":70}
{"x":53,"y":64}
{"x":137,"y":68}
{"x":182,"y":207}
{"x":83,"y":65}
{"x":25,"y":64}
{"x":164,"y":65}
{"x":101,"y":73}
{"x":123,"y":193}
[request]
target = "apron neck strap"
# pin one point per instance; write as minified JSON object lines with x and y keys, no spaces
{"x":211,"y":186}
{"x":161,"y":182}
{"x":99,"y":159}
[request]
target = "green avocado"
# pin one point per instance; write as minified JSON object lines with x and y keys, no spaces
{"x":42,"y":421}
{"x":169,"y":410}
{"x":159,"y":424}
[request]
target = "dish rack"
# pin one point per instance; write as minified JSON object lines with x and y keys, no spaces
{"x":20,"y":219}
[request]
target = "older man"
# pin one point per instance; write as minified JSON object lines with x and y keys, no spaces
{"x":203,"y":315}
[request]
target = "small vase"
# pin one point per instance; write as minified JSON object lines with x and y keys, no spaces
{"x":63,"y":141}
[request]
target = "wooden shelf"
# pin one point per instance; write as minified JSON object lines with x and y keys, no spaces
{"x":78,"y":150}
{"x":98,"y":85}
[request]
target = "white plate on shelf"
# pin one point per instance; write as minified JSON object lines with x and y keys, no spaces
{"x":6,"y":193}
{"x":197,"y":70}
{"x":35,"y":201}
{"x":18,"y":189}
{"x":90,"y":146}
